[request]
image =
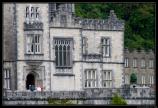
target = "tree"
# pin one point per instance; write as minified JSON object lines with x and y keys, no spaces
{"x":133,"y":78}
{"x":118,"y":100}
{"x":139,"y":20}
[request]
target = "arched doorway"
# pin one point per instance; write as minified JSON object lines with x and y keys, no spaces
{"x":30,"y":80}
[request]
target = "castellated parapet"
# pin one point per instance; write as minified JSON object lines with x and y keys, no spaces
{"x":112,"y":23}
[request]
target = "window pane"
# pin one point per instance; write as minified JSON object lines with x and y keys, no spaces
{"x":68,"y":55}
{"x":64,"y":50}
{"x":5,"y":75}
{"x":56,"y":54}
{"x":106,"y":46}
{"x":60,"y":55}
{"x":64,"y":59}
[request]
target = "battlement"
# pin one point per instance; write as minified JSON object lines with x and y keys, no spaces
{"x":62,"y":18}
{"x":126,"y":50}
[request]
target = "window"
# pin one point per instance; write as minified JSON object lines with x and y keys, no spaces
{"x":63,"y":53}
{"x":107,"y":78}
{"x":143,"y":63}
{"x":106,"y":47}
{"x":126,"y":62}
{"x":32,"y":12}
{"x":151,"y":63}
{"x":33,"y":43}
{"x":63,"y":21}
{"x":84,"y":41}
{"x":143,"y":79}
{"x":126,"y":79}
{"x":134,"y":62}
{"x":151,"y":80}
{"x":90,"y":78}
{"x":7,"y":78}
{"x":27,"y":12}
{"x":37,"y":13}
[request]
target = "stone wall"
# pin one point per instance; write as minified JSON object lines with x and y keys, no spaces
{"x":147,"y":71}
{"x":89,"y":96}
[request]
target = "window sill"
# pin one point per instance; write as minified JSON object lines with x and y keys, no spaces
{"x":63,"y":74}
{"x":35,"y":54}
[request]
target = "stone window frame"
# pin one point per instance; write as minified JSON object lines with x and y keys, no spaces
{"x":35,"y":46}
{"x":109,"y":45}
{"x":108,"y":79}
{"x":135,"y":62}
{"x":31,"y":12}
{"x":151,"y":63}
{"x":143,"y":80}
{"x":126,"y":62}
{"x":7,"y":78}
{"x":37,"y":12}
{"x":151,"y":79}
{"x":71,"y":52}
{"x":40,"y":43}
{"x":143,"y":63}
{"x":92,"y":81}
{"x":27,"y":12}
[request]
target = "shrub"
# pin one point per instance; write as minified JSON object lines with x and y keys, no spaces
{"x":118,"y":100}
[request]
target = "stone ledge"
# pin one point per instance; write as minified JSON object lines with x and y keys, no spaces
{"x":63,"y":74}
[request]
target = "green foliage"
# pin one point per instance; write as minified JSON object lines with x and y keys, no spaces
{"x":118,"y":100}
{"x":139,"y":20}
{"x":133,"y":78}
{"x":60,"y":102}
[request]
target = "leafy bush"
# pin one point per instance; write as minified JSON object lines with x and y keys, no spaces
{"x":118,"y":100}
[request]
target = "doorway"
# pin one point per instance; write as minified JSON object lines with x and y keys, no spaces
{"x":30,"y":80}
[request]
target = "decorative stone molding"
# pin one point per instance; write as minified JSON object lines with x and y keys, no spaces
{"x":39,"y":72}
{"x":33,"y":26}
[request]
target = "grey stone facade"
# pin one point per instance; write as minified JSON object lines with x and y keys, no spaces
{"x":58,"y":20}
{"x":140,"y":71}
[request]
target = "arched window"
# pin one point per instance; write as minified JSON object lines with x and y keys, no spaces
{"x":27,"y":12}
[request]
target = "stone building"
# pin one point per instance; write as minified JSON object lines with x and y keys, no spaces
{"x":142,"y":63}
{"x":46,"y":45}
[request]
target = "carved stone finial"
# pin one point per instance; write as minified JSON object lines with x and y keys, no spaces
{"x":112,"y":15}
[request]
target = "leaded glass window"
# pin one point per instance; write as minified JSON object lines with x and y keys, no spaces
{"x":63,"y":52}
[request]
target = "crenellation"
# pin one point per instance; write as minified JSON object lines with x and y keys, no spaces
{"x":112,"y":23}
